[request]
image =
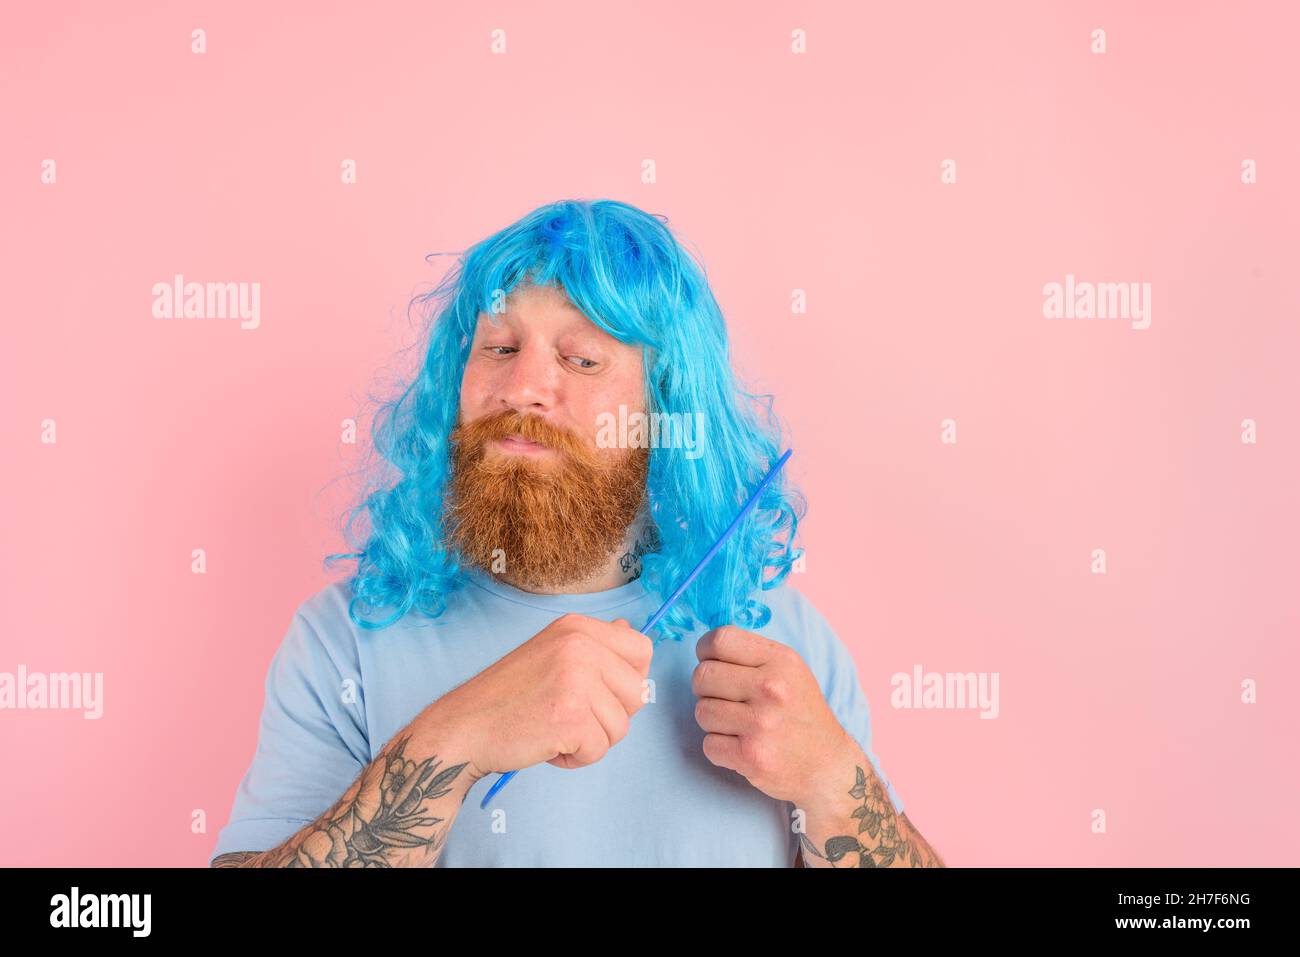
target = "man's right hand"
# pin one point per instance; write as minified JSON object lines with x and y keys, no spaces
{"x":565,"y":696}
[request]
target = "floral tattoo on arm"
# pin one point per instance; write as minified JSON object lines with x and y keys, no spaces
{"x":896,"y":842}
{"x":381,"y":821}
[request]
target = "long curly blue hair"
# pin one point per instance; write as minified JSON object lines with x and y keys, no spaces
{"x":628,"y":273}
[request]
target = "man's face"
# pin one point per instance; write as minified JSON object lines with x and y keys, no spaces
{"x":534,"y":498}
{"x":542,"y":357}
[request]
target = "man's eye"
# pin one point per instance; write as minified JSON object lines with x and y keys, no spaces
{"x":591,"y":364}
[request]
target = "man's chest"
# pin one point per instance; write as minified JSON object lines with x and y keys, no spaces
{"x":654,"y":799}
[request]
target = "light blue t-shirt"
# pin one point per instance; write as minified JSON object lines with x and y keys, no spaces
{"x":653,"y":800}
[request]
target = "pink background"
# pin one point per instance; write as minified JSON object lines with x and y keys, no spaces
{"x":817,"y":172}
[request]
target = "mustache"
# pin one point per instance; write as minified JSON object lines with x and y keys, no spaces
{"x":473,"y":435}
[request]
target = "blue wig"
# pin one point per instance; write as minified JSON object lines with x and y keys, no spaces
{"x":627,"y":273}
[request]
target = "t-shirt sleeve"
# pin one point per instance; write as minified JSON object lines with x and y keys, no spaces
{"x":311,"y":743}
{"x":839,"y":676}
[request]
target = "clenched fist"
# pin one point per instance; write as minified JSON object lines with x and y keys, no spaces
{"x":764,"y":713}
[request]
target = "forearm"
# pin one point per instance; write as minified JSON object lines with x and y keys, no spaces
{"x":396,"y":814}
{"x":851,"y":822}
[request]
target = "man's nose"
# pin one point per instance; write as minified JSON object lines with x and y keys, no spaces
{"x":529,"y":382}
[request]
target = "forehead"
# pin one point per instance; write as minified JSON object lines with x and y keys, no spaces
{"x":545,"y":309}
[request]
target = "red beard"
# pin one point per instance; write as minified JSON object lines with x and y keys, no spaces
{"x":539,"y":520}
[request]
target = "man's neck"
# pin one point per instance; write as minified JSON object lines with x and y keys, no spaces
{"x":623,"y":565}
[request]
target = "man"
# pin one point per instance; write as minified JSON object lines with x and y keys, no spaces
{"x":522,"y":544}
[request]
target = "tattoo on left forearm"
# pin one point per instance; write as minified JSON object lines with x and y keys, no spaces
{"x":896,"y":841}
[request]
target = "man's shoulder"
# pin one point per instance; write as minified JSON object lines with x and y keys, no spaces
{"x":328,"y":606}
{"x":797,"y":622}
{"x":320,"y":623}
{"x":792,"y":608}
{"x":327,"y":614}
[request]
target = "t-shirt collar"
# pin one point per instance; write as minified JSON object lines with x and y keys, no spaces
{"x":583,"y":603}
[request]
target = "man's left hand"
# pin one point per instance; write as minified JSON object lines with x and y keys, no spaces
{"x":764,"y":714}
